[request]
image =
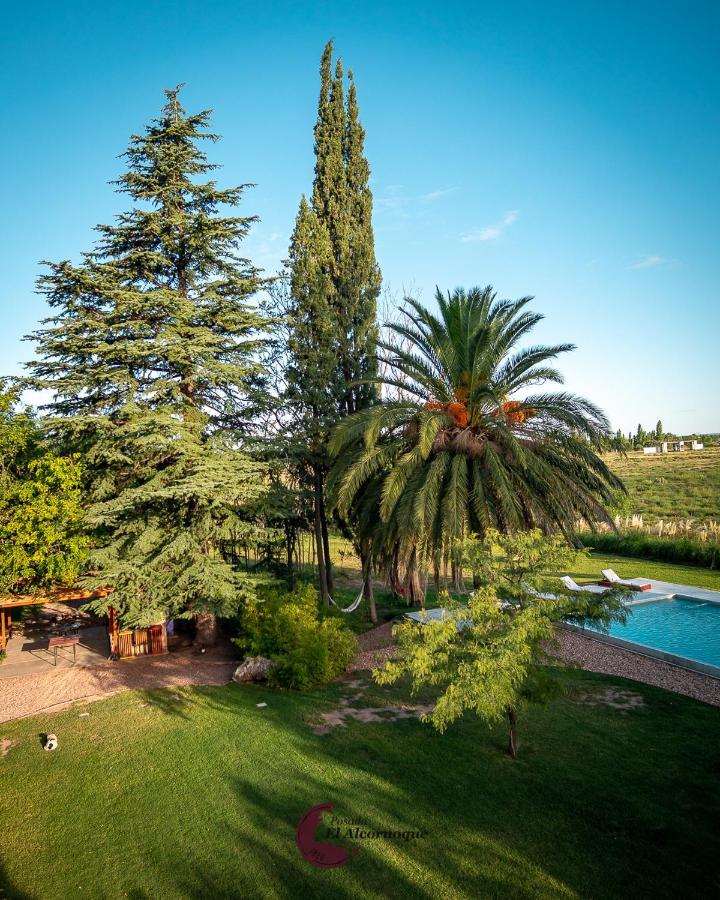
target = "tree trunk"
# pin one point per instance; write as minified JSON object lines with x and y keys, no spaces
{"x":513,"y":742}
{"x":289,"y":547}
{"x":414,"y":588}
{"x":368,"y":592}
{"x":324,"y":594}
{"x":206,"y":629}
{"x":325,"y":541}
{"x":436,"y":577}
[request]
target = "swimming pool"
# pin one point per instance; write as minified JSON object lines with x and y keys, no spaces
{"x":682,"y":626}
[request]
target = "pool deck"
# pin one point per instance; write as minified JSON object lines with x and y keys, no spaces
{"x":666,"y":590}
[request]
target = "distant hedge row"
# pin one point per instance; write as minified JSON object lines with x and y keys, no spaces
{"x":652,"y":546}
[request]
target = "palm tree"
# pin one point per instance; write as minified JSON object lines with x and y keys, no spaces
{"x":458,"y":443}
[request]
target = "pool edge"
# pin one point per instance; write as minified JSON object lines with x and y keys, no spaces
{"x":682,"y":662}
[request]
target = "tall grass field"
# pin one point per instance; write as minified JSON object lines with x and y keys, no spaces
{"x":671,"y":486}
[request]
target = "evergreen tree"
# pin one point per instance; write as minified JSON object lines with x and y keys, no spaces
{"x":312,"y":367}
{"x":360,"y":274}
{"x":335,"y":282}
{"x":149,"y":356}
{"x":659,"y":433}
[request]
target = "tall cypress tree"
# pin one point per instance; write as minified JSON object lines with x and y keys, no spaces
{"x":346,"y":282}
{"x":149,"y":354}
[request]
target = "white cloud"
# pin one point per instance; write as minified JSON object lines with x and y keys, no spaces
{"x":647,"y":262}
{"x":436,"y":195}
{"x":492,"y":232}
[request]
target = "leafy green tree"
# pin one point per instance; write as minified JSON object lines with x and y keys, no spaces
{"x":461,"y":448}
{"x":334,"y":285}
{"x":659,"y":433}
{"x":489,"y":656}
{"x":150,"y":354}
{"x":42,"y":539}
{"x":42,"y":542}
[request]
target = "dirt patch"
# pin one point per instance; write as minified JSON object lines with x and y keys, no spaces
{"x":338,"y":718}
{"x":26,"y":695}
{"x":615,"y":698}
{"x":354,"y":691}
{"x":5,"y":746}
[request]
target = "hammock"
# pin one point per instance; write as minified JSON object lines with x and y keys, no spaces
{"x":354,"y":605}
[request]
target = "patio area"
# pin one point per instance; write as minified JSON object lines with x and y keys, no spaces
{"x":31,"y":653}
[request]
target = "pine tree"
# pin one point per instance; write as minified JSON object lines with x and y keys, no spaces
{"x":149,"y":356}
{"x":335,"y":320}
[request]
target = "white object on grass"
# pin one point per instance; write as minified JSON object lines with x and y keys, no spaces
{"x":51,"y":742}
{"x":261,"y":705}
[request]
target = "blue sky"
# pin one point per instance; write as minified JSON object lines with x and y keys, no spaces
{"x":565,"y":150}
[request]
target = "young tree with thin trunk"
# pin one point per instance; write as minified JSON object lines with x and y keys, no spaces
{"x":490,"y":656}
{"x":149,"y":353}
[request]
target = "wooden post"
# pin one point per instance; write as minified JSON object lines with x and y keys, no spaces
{"x":113,"y":629}
{"x":3,"y":637}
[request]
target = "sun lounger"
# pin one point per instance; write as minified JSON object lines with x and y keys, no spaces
{"x":612,"y":579}
{"x":574,"y":586}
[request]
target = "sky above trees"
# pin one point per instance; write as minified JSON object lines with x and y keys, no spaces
{"x":563,"y":150}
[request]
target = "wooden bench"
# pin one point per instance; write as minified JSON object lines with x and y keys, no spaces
{"x":55,"y":642}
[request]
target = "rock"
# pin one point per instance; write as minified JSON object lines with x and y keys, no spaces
{"x":254,"y":668}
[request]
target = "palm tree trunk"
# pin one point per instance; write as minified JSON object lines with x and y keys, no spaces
{"x":412,"y":577}
{"x":368,"y":592}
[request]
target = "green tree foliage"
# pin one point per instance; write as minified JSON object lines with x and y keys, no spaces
{"x":459,"y":445}
{"x":41,"y":535}
{"x":150,"y":354}
{"x":489,"y":656}
{"x":334,"y":285}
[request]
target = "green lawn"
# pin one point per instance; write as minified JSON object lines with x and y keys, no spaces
{"x":200,"y":797}
{"x":627,"y":567}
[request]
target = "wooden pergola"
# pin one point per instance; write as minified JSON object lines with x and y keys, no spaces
{"x":61,"y":595}
{"x":124,"y":643}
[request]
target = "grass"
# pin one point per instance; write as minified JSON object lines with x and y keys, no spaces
{"x":671,"y":486}
{"x":199,"y":797}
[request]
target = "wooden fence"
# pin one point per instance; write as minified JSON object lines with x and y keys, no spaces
{"x":139,"y":642}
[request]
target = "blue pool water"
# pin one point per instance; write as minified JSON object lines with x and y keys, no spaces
{"x":689,"y":628}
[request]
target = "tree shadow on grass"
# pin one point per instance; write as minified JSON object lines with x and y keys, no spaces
{"x":561,"y":820}
{"x":7,"y":887}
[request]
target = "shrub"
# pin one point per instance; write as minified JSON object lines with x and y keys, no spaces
{"x":651,"y":546}
{"x":288,"y":629}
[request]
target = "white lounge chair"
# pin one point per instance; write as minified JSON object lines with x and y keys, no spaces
{"x":637,"y":584}
{"x":574,"y":586}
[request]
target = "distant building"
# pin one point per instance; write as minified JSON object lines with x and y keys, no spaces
{"x":673,"y":446}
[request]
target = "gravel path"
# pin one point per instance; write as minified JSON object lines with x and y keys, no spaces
{"x":25,"y":695}
{"x":595,"y":656}
{"x":599,"y":657}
